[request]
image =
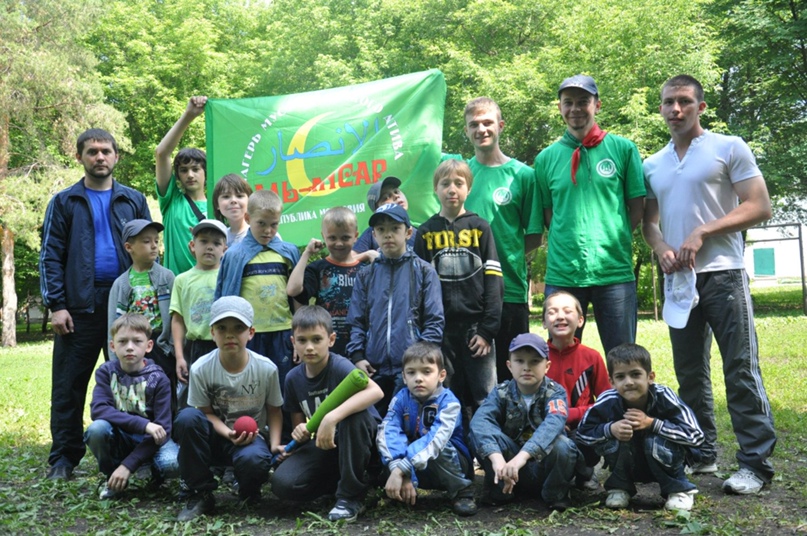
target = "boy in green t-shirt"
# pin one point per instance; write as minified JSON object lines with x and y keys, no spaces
{"x":185,"y":178}
{"x":193,"y":296}
{"x":145,"y":289}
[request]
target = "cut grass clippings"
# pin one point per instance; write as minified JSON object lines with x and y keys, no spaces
{"x":31,"y":505}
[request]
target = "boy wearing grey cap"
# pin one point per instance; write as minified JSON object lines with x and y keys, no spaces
{"x":518,"y":432}
{"x":229,"y":382}
{"x":145,"y":289}
{"x":381,"y":193}
{"x":192,"y":298}
{"x":593,"y":190}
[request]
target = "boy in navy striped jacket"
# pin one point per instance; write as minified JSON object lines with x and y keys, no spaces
{"x":644,"y":431}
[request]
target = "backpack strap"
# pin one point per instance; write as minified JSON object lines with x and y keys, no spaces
{"x":194,"y":208}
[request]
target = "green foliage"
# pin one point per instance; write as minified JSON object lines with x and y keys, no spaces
{"x":154,"y":55}
{"x":762,"y":95}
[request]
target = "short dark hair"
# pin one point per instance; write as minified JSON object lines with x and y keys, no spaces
{"x":628,"y":353}
{"x":684,"y":80}
{"x":189,"y":155}
{"x":95,"y":134}
{"x":426,"y":352}
{"x":310,"y":317}
{"x":133,"y":321}
{"x":229,"y":184}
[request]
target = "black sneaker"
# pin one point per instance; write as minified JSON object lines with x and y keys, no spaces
{"x":200,"y":503}
{"x":346,"y":510}
{"x":60,"y":472}
{"x":561,"y":505}
{"x":493,"y":496}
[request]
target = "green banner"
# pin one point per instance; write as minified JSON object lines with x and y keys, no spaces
{"x":325,"y":148}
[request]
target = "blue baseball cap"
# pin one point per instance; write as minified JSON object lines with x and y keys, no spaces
{"x":391,"y":210}
{"x":582,"y":81}
{"x":530,"y":340}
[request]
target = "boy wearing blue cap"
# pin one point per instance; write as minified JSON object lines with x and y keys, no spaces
{"x":518,"y":432}
{"x":396,"y":302}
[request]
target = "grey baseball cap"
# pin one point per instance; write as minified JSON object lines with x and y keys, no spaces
{"x":135,"y":227}
{"x":232,"y":307}
{"x":375,"y":190}
{"x":210,"y":224}
{"x":584,"y":82}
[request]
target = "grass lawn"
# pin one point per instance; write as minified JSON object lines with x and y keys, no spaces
{"x":31,"y":505}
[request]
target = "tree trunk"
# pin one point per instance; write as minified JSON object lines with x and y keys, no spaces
{"x":9,"y":313}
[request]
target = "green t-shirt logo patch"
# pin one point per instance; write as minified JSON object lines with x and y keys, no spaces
{"x":502,"y":196}
{"x":606,"y":167}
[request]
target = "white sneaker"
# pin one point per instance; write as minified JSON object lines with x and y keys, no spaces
{"x":743,"y":482}
{"x":106,"y":493}
{"x":617,"y":498}
{"x":701,"y":468}
{"x":681,"y":500}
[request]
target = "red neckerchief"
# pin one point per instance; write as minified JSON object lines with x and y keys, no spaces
{"x":592,"y":139}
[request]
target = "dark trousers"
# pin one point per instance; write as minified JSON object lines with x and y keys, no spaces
{"x":645,"y":458}
{"x":200,"y":447}
{"x":276,"y":345}
{"x":193,"y":350}
{"x":725,"y":309}
{"x":74,"y":358}
{"x":311,"y":472}
{"x":515,"y":321}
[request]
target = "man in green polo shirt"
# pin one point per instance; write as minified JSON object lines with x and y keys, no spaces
{"x":505,"y":195}
{"x":593,"y":191}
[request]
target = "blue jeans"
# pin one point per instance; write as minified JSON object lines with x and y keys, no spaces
{"x":551,"y":477}
{"x":111,"y":445}
{"x":724,"y":308}
{"x":201,"y":447}
{"x":448,"y":472}
{"x":645,"y":458}
{"x":615,"y":310}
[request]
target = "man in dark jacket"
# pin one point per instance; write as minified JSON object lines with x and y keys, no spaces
{"x":82,"y":255}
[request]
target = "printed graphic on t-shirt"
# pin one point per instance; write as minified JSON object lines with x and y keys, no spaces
{"x":144,"y":299}
{"x":129,"y":398}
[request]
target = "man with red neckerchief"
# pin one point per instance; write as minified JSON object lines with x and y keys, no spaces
{"x":593,"y":191}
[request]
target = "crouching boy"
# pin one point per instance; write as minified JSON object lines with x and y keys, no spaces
{"x":228,"y":383}
{"x":131,"y":410}
{"x":421,"y":439}
{"x":518,"y":432}
{"x":643,"y":430}
{"x":339,"y":454}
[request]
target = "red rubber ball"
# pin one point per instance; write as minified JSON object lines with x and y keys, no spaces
{"x":245,"y":424}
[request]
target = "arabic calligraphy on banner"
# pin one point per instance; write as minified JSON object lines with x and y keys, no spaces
{"x":325,"y":148}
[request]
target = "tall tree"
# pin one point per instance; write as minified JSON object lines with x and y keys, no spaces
{"x":764,"y":90}
{"x":48,"y":92}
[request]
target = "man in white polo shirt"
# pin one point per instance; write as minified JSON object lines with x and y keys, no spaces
{"x":693,"y":187}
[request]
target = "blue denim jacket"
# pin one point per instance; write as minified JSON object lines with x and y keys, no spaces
{"x":534,"y":428}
